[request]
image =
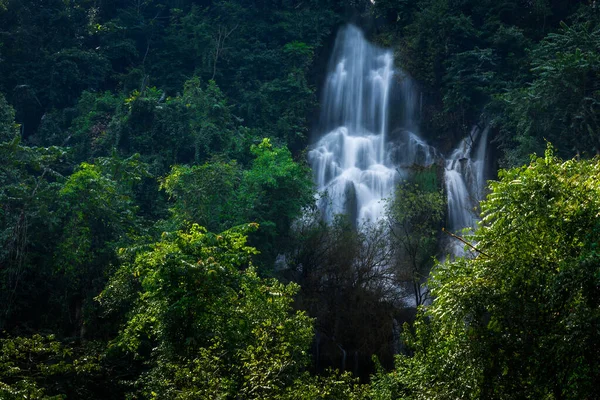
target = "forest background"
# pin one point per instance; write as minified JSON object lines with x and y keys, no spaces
{"x":157,"y":223}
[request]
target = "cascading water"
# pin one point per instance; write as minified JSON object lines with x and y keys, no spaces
{"x":350,"y":160}
{"x":465,"y":182}
{"x":357,"y":160}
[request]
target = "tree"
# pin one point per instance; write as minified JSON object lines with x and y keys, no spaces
{"x":220,"y":195}
{"x":211,"y":122}
{"x":413,"y":217}
{"x":204,"y":194}
{"x":273,"y":192}
{"x":202,"y":320}
{"x":564,"y":95}
{"x":42,"y":368}
{"x":348,"y":285}
{"x":98,"y":216}
{"x":8,"y":128}
{"x":94,"y":131}
{"x":519,"y":319}
{"x":30,"y":179}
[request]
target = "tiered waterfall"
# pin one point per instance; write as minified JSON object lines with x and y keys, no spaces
{"x":357,"y":159}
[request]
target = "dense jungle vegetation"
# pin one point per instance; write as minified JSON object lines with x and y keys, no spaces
{"x":158,"y":235}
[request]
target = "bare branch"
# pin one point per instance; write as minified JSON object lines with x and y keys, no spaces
{"x":464,"y":241}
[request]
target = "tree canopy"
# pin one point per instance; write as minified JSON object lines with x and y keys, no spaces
{"x":519,"y":318}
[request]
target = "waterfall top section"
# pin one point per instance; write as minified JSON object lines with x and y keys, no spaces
{"x":349,"y":160}
{"x":358,"y":159}
{"x":356,"y":92}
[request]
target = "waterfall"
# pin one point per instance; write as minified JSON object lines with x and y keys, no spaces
{"x":350,"y":160}
{"x":358,"y":159}
{"x":464,"y":177}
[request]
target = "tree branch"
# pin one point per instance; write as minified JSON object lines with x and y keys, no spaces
{"x":465,"y":242}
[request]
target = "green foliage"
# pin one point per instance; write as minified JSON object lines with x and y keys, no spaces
{"x":220,"y":195}
{"x":72,"y":71}
{"x":204,"y":194}
{"x":517,"y":321}
{"x":156,"y":127}
{"x":211,"y":121}
{"x":41,"y":368}
{"x":395,"y":11}
{"x":262,"y":66}
{"x":185,"y":48}
{"x":260,"y":54}
{"x":466,"y":54}
{"x":564,"y":95}
{"x":204,"y":322}
{"x":470,"y":78}
{"x":47,"y":58}
{"x":99,"y":216}
{"x":99,"y":210}
{"x":164,"y":130}
{"x":59,"y":234}
{"x":8,"y":128}
{"x":334,"y":386}
{"x":273,"y":193}
{"x":439,"y":31}
{"x":414,"y":216}
{"x":95,"y":127}
{"x":30,"y":179}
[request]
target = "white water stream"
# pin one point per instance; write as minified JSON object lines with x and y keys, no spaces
{"x":464,"y":177}
{"x":349,"y":160}
{"x":357,"y":160}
